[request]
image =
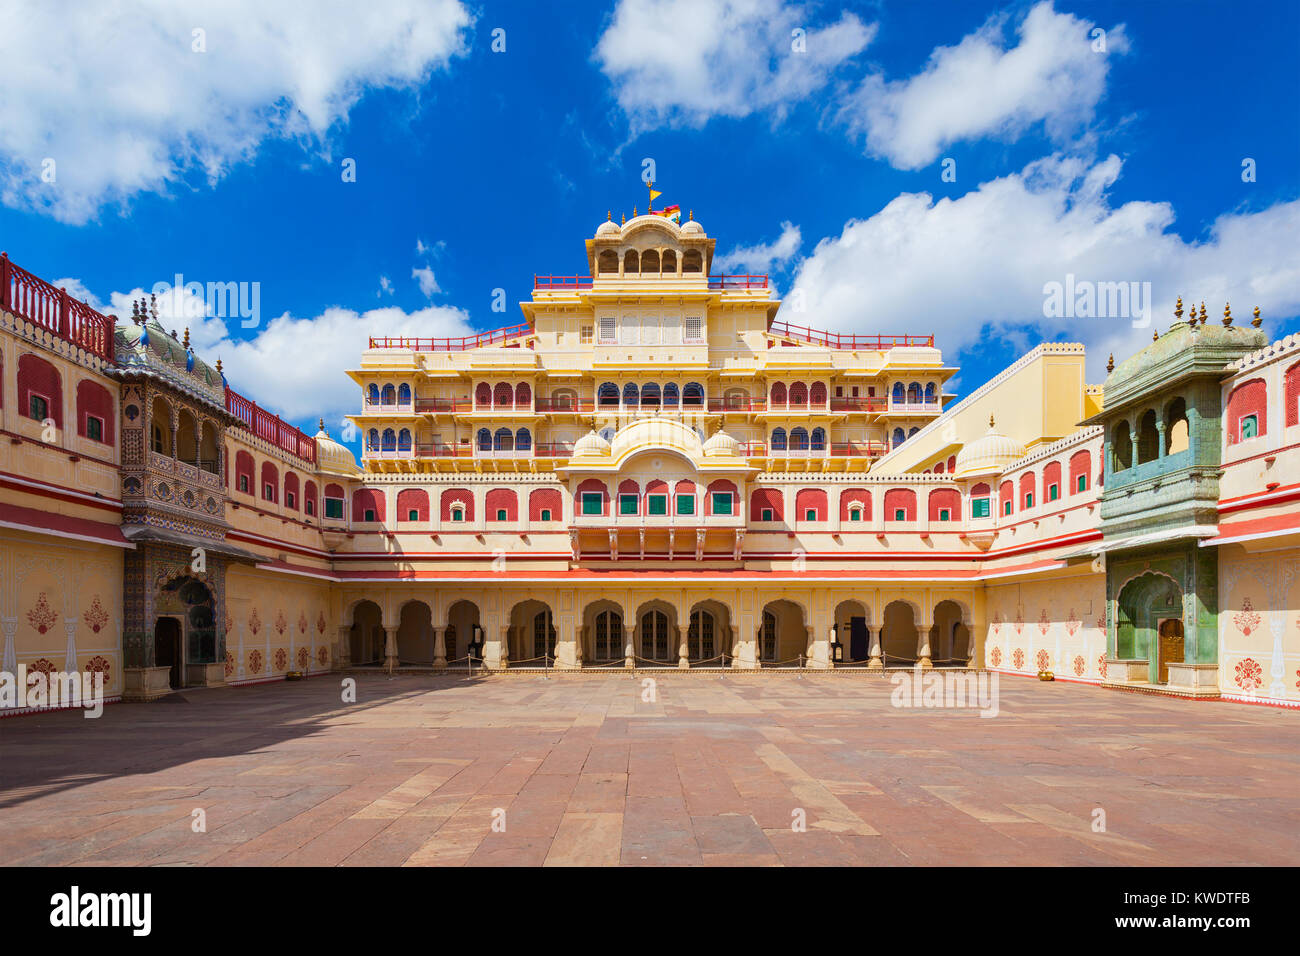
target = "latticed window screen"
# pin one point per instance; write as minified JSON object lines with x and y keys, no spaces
{"x":609,"y":636}
{"x":543,"y":635}
{"x":767,"y":639}
{"x":694,"y":328}
{"x":608,"y":329}
{"x":654,"y":635}
{"x":700,"y":636}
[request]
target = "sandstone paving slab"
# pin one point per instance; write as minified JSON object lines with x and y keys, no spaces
{"x":707,"y":771}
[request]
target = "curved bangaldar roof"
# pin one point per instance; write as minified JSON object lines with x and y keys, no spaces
{"x":988,"y":455}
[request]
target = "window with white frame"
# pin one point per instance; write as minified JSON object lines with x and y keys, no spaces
{"x":608,"y":330}
{"x":694,"y":329}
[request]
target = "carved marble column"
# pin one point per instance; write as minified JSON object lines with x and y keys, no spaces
{"x":923,"y":644}
{"x":683,"y":647}
{"x":874,"y":635}
{"x":440,"y":647}
{"x":390,"y":648}
{"x":629,"y":645}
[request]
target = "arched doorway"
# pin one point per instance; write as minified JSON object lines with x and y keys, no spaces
{"x":187,"y":603}
{"x":532,"y":634}
{"x":851,"y":632}
{"x":655,"y":637}
{"x":604,"y":632}
{"x":702,"y":636}
{"x":898,"y":638}
{"x":415,"y":634}
{"x":1149,"y":623}
{"x":366,"y":638}
{"x":949,"y":638}
{"x":782,"y":636}
{"x":167,"y":649}
{"x":463,"y":634}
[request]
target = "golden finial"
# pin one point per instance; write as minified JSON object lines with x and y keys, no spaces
{"x":990,"y":421}
{"x":622,"y":219}
{"x":1178,"y":309}
{"x":1110,"y":363}
{"x":691,"y":216}
{"x":322,"y":423}
{"x":609,"y":215}
{"x":1202,"y":312}
{"x":218,"y":366}
{"x":634,"y":212}
{"x":186,"y":343}
{"x":1256,"y":321}
{"x":1227,"y":315}
{"x":1155,"y":335}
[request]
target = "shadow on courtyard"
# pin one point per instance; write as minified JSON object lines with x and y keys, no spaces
{"x":48,"y":753}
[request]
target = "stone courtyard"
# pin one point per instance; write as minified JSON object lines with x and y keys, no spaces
{"x":716,"y":770}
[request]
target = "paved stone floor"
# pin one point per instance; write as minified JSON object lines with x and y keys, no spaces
{"x":711,"y":772}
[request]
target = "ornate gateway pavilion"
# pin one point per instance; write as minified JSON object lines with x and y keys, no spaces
{"x":653,"y":469}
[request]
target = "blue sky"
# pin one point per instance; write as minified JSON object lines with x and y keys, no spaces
{"x":476,"y":169}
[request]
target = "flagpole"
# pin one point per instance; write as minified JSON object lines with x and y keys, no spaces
{"x":651,"y":207}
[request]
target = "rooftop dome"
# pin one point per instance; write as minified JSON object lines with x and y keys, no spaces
{"x":591,"y":445}
{"x":608,"y":228}
{"x":721,"y":444}
{"x":692,"y":228}
{"x":331,"y":456}
{"x":988,"y":455}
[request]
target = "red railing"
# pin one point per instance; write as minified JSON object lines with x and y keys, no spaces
{"x":452,"y":345}
{"x":561,"y":282}
{"x":836,"y":341}
{"x":737,"y":404}
{"x":584,"y":282}
{"x":738,"y":282}
{"x":40,"y":303}
{"x":564,"y":405}
{"x":858,"y":449}
{"x":270,"y":427}
{"x":859,"y":404}
{"x":553,"y":449}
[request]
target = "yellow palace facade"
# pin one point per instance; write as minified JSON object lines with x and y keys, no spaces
{"x":660,"y":467}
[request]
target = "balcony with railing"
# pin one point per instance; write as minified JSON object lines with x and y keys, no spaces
{"x":462,"y":344}
{"x":835,"y":340}
{"x":564,"y":405}
{"x":270,"y":427}
{"x":52,"y":309}
{"x":721,"y":283}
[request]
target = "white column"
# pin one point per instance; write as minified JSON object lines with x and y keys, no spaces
{"x":874,"y":635}
{"x":923,"y":643}
{"x":629,"y":645}
{"x":390,"y":647}
{"x":440,"y":647}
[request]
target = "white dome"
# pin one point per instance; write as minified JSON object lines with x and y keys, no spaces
{"x":721,"y":444}
{"x":331,"y":456}
{"x":608,"y":228}
{"x":988,"y":455}
{"x":591,"y":445}
{"x":692,"y":228}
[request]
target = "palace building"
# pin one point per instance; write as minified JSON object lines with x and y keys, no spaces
{"x":659,"y":467}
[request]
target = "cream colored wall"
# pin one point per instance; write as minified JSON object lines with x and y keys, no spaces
{"x":272,"y":619}
{"x":1259,"y":623}
{"x":61,"y":604}
{"x":1057,"y":621}
{"x":1052,"y":370}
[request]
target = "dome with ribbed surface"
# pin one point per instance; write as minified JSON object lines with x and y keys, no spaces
{"x":988,"y":455}
{"x":333,"y":457}
{"x":608,"y":228}
{"x":591,"y":445}
{"x":721,"y":444}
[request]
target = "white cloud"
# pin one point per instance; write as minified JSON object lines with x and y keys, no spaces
{"x":681,"y":62}
{"x":119,"y":99}
{"x":385,"y":287}
{"x":428,"y":284}
{"x":977,"y":88}
{"x":954,"y":266}
{"x":294,"y":366}
{"x":762,"y":257}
